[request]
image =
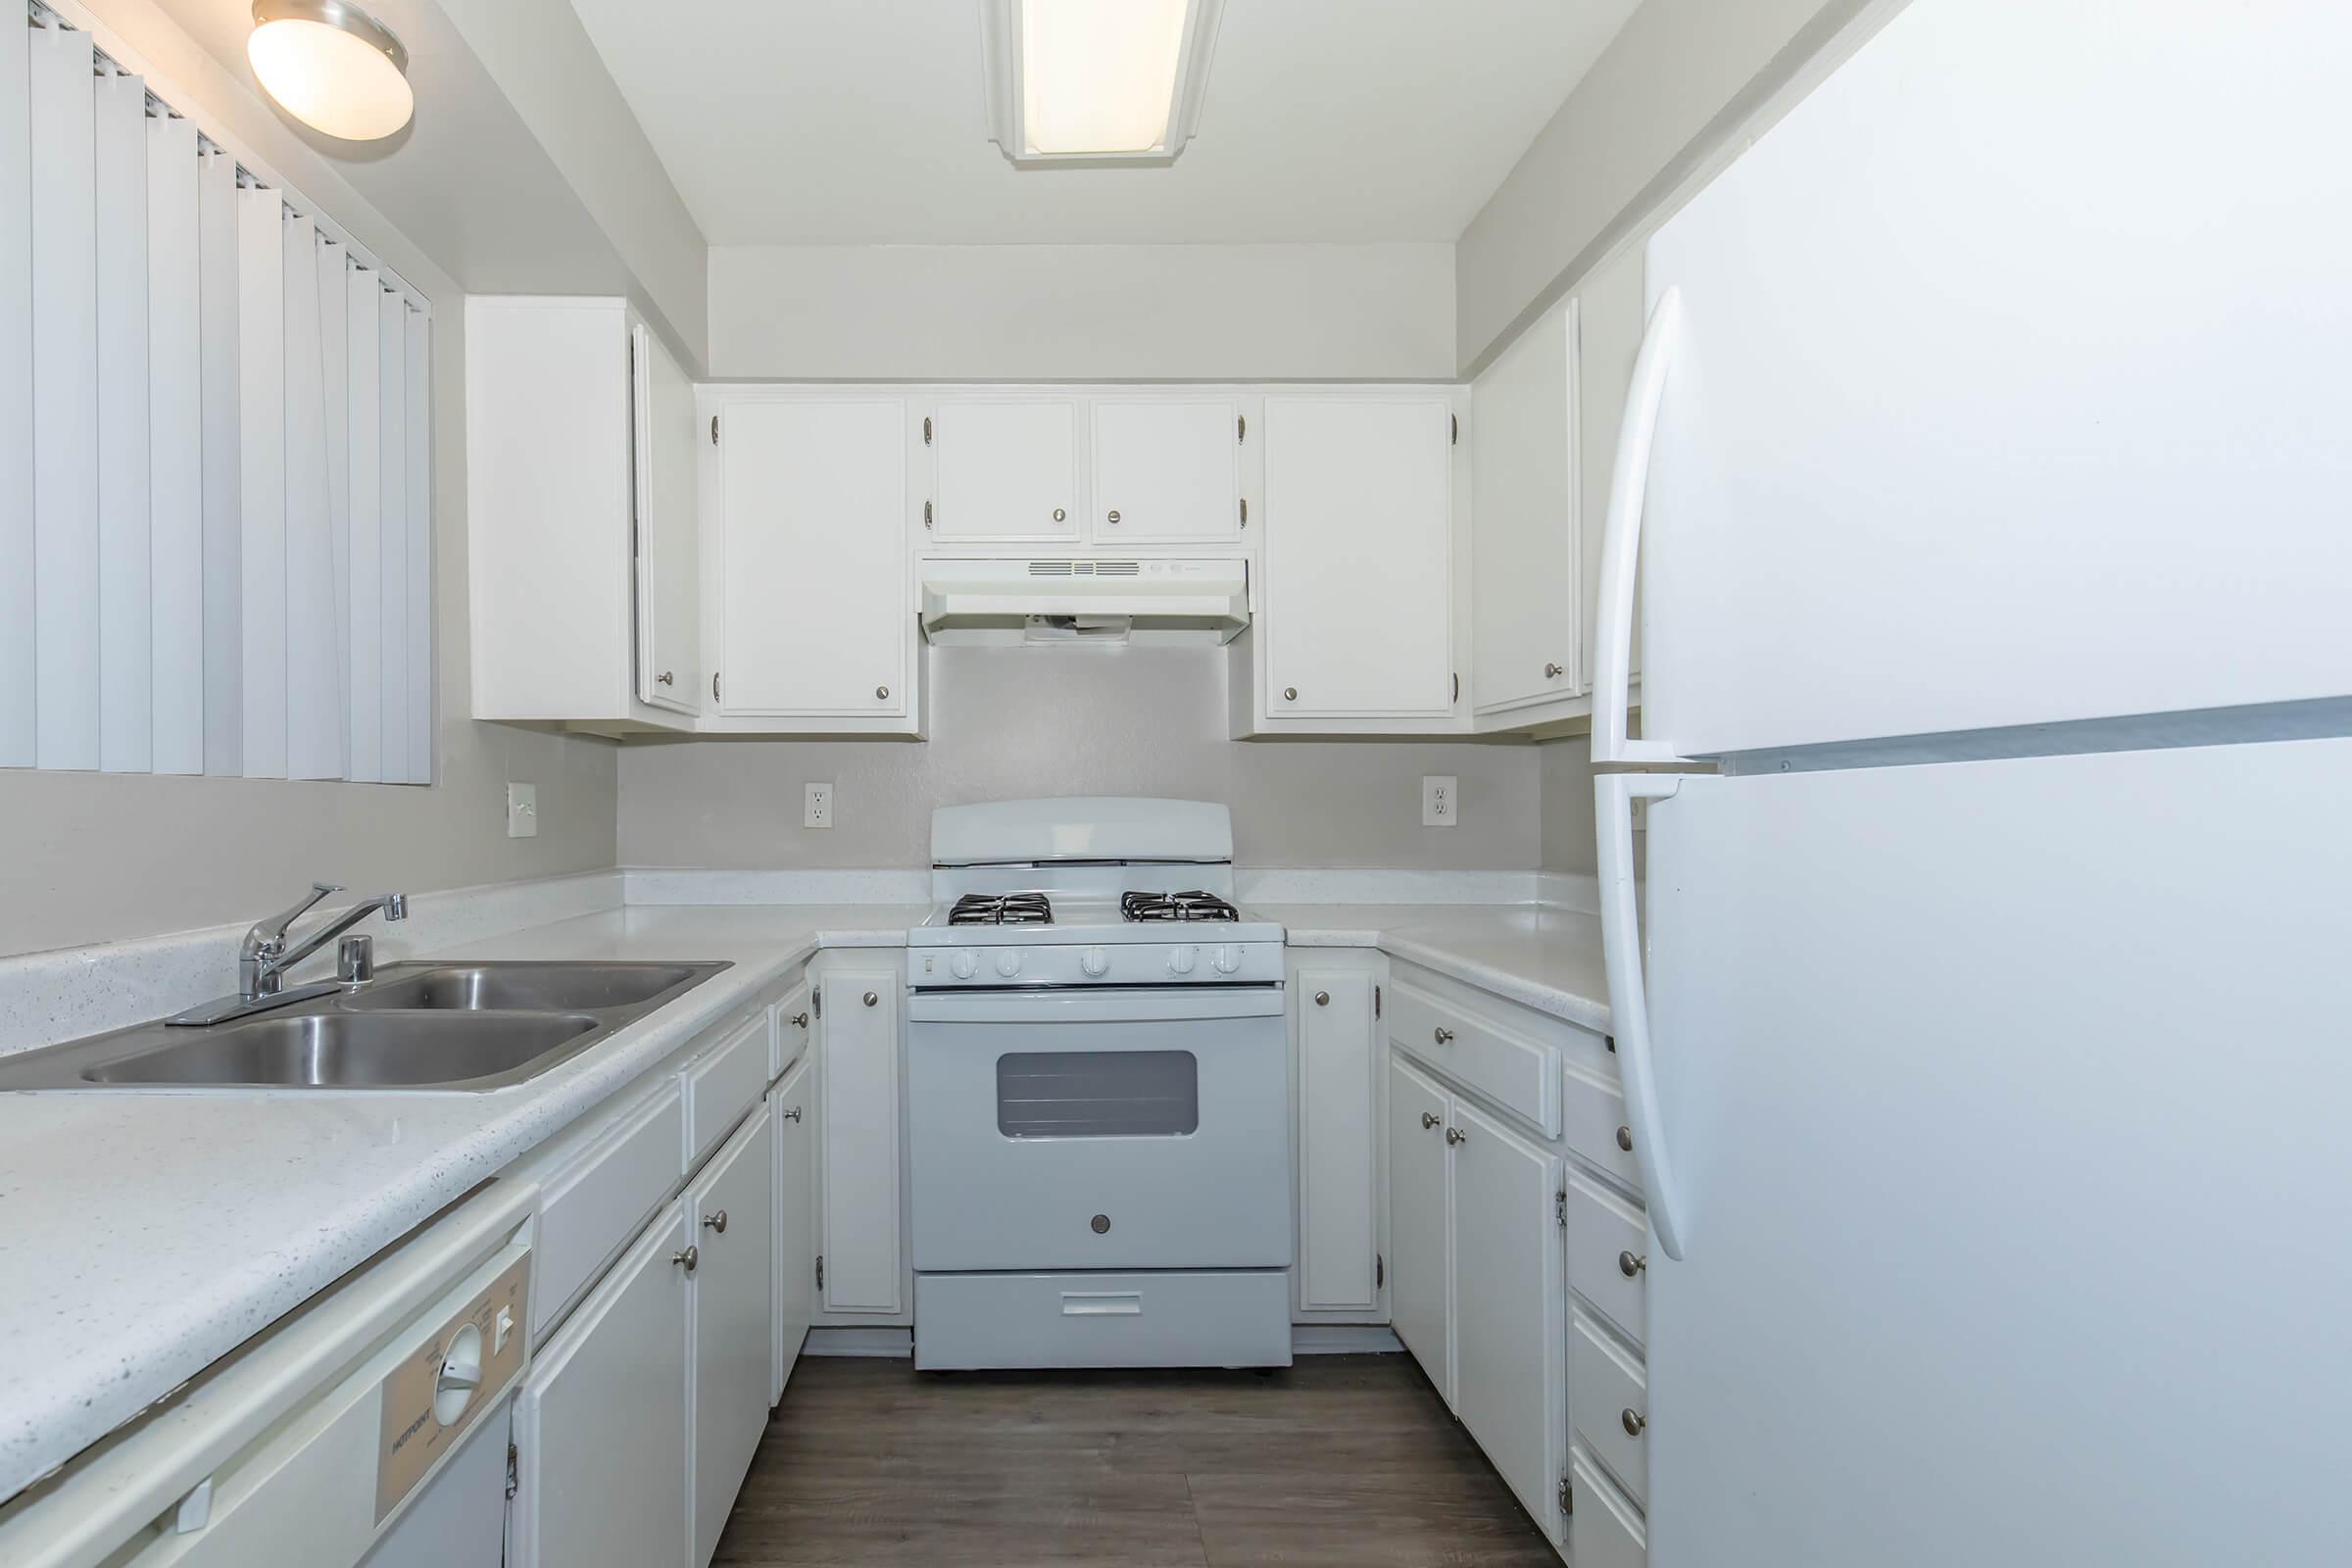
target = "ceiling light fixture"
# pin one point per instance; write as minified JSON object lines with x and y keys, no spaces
{"x":1094,"y":83}
{"x":332,"y":67}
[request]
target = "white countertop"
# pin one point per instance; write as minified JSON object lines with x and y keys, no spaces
{"x":144,"y":1234}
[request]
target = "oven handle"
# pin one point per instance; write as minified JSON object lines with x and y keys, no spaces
{"x":1097,"y":1004}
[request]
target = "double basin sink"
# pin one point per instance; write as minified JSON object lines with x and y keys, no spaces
{"x":416,"y":1026}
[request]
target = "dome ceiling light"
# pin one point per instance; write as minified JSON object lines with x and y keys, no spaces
{"x":332,"y":67}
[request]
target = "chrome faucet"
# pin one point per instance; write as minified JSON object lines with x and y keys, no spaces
{"x":266,"y":954}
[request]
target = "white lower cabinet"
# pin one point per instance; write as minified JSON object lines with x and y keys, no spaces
{"x":732,"y":1205}
{"x":601,"y":1427}
{"x":861,"y":1263}
{"x":1418,"y":1264}
{"x":1338,"y":1096}
{"x":792,"y":1107}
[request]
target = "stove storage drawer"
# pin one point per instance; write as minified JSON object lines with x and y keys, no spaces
{"x":1236,"y":1317}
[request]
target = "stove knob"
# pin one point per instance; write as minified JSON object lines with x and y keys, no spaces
{"x":1008,"y":962}
{"x":1226,"y":959}
{"x":1095,"y":961}
{"x":1180,"y":961}
{"x":965,"y":965}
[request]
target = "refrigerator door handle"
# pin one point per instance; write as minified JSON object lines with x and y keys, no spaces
{"x":1614,"y":794}
{"x":1621,"y":544}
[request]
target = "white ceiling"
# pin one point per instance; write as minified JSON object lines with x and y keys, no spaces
{"x":860,"y":122}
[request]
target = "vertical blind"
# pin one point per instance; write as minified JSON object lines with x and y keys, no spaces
{"x":215,"y":453}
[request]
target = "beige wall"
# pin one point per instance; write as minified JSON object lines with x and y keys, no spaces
{"x":1674,"y":86}
{"x":1019,"y":721}
{"x":1564,"y":773}
{"x":89,"y":858}
{"x":1217,"y":312}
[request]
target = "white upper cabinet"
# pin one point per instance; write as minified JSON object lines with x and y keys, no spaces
{"x":810,"y":572}
{"x":1166,"y":469}
{"x":670,"y":627}
{"x":1007,"y":469}
{"x":1359,"y":604}
{"x":1527,"y":639}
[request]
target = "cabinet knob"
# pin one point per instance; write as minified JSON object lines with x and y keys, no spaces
{"x":1112,"y":516}
{"x":666,"y":678}
{"x":1060,"y":515}
{"x":1625,"y":1138}
{"x":800,"y":1020}
{"x":1322,"y":998}
{"x":1454,"y":1135}
{"x":793,"y":1113}
{"x":1290,"y":694}
{"x":1629,"y":1265}
{"x":689,"y":1261}
{"x":1428,"y":1121}
{"x":882,"y":692}
{"x":1632,"y":1421}
{"x":1554,"y":671}
{"x":1444,"y":1035}
{"x":716,"y":1222}
{"x":871,"y":998}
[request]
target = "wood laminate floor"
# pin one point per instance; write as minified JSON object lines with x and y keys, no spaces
{"x":1337,"y":1462}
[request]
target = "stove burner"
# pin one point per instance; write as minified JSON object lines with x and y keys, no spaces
{"x":1001,"y":909}
{"x":1193,"y":906}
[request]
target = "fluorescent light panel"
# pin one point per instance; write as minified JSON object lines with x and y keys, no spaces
{"x":1098,"y":77}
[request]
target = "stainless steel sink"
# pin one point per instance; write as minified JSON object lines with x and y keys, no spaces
{"x":418,"y":1026}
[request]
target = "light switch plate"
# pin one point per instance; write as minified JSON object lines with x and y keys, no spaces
{"x":523,"y":810}
{"x":817,"y":806}
{"x":1440,"y":804}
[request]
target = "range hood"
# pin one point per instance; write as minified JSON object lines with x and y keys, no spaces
{"x":1074,"y":600}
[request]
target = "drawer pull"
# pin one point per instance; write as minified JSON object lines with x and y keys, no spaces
{"x":799,"y":1020}
{"x":1101,"y":1304}
{"x":1629,"y":1265}
{"x":1443,"y":1036}
{"x":871,"y":998}
{"x":689,"y":1261}
{"x":793,"y":1114}
{"x":1625,"y":1138}
{"x":1428,"y":1121}
{"x":1454,"y":1135}
{"x":1632,"y":1421}
{"x":716,"y":1222}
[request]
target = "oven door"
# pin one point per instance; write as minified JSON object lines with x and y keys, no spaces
{"x":1107,"y":1128}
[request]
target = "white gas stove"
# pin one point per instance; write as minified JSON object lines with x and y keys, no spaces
{"x":1097,"y":1094}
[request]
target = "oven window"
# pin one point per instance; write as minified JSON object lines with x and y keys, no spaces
{"x":1097,"y":1094}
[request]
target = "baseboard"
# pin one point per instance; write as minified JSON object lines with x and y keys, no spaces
{"x":1345,"y":1338}
{"x":887,"y":1343}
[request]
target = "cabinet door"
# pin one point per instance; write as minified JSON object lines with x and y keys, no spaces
{"x":670,"y":628}
{"x":1167,"y":470}
{"x":812,"y":574}
{"x":1006,"y":470}
{"x":1360,"y":556}
{"x":1509,"y":1318}
{"x":859,"y":1084}
{"x":794,"y":1108}
{"x":1338,"y":1091}
{"x":1524,"y":579}
{"x":733,"y":1208}
{"x":601,"y":1424}
{"x":1417,"y":1221}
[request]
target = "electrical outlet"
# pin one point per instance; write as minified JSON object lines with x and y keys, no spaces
{"x":817,"y":806}
{"x":1441,"y":805}
{"x":523,"y":810}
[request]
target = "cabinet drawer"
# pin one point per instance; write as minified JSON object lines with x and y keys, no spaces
{"x":722,"y":1084}
{"x":590,"y":1208}
{"x":1594,"y":1121}
{"x":1195,"y":1318}
{"x":1608,"y":1256}
{"x":1610,"y":1405}
{"x":1519,"y":1074}
{"x":792,"y":1032}
{"x":1606,"y":1530}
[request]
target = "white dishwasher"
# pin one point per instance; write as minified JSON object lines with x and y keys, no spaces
{"x":368,"y":1428}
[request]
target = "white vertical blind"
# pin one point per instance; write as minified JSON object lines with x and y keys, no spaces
{"x":65,"y":414}
{"x":362,"y":341}
{"x":262,"y":437}
{"x":216,"y":460}
{"x":17,"y":631}
{"x":419,"y":431}
{"x":175,"y":436}
{"x":392,"y":349}
{"x":313,"y":694}
{"x":126,"y":660}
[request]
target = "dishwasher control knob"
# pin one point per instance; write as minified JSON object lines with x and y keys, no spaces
{"x":1095,"y":961}
{"x":1180,"y":961}
{"x":1008,"y":962}
{"x":461,"y":1374}
{"x":1225,"y":960}
{"x":965,"y":965}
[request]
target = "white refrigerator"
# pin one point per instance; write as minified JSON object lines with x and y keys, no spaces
{"x":1986,"y":1023}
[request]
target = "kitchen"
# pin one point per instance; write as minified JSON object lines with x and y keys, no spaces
{"x":1179,"y":782}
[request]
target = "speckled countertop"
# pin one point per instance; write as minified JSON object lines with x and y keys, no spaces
{"x":145,"y":1234}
